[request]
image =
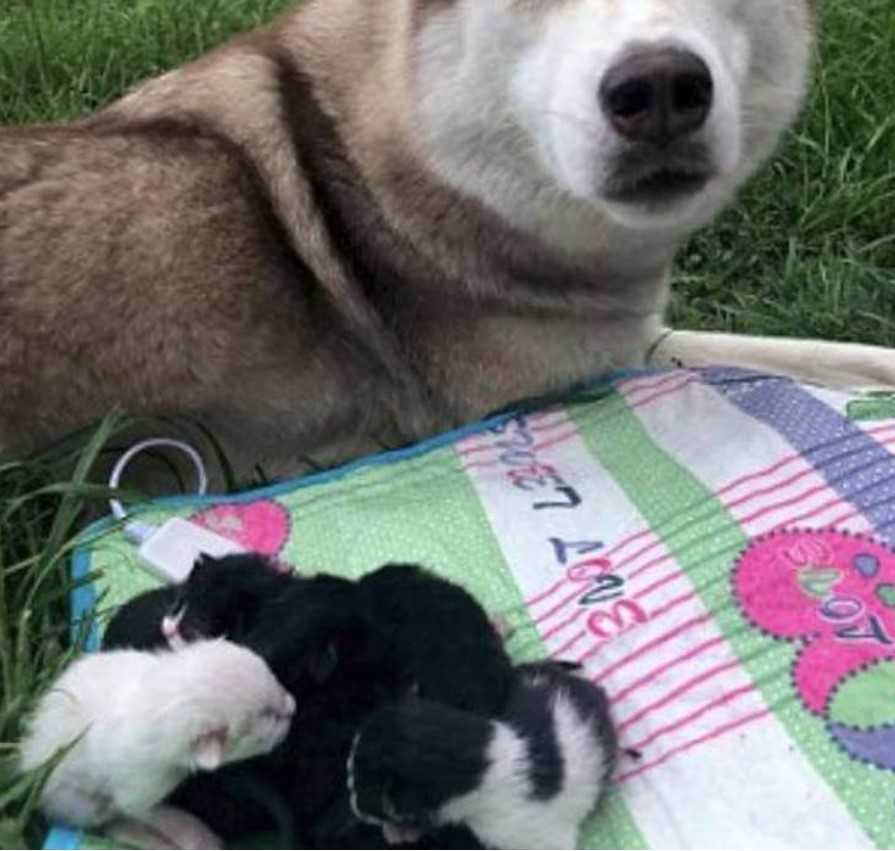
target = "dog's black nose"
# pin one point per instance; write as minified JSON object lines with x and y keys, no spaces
{"x":657,"y":95}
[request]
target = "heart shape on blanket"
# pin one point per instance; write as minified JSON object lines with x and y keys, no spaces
{"x":262,"y":526}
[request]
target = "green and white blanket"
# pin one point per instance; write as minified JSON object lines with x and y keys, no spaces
{"x":714,"y":546}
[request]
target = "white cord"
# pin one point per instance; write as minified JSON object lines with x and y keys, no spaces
{"x":134,"y":529}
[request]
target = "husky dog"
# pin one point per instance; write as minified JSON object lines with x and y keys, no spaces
{"x":375,"y":219}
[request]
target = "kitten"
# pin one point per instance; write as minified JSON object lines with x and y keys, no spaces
{"x":345,"y":648}
{"x":138,"y":623}
{"x":138,"y":723}
{"x":437,"y":637}
{"x":525,"y":780}
{"x":222,"y":595}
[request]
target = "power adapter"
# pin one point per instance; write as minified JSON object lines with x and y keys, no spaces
{"x":169,"y":551}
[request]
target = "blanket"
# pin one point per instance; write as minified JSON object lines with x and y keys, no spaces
{"x":715,"y":546}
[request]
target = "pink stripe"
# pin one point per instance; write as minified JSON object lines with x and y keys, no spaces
{"x":675,"y":693}
{"x":656,"y":642}
{"x":649,"y":565}
{"x":658,"y":395}
{"x":773,"y":468}
{"x":714,"y":734}
{"x":556,"y":440}
{"x":537,"y":416}
{"x":671,"y":604}
{"x":564,"y":602}
{"x":760,"y":474}
{"x":483,"y":447}
{"x":568,"y":645}
{"x":769,"y":509}
{"x":794,"y":457}
{"x":479,"y":447}
{"x":697,"y":713}
{"x":544,"y":594}
{"x":476,"y":464}
{"x":645,"y":532}
{"x":770,"y":488}
{"x":642,"y":551}
{"x":670,"y":577}
{"x":630,"y":539}
{"x":564,"y":420}
{"x":635,"y":385}
{"x":651,"y":675}
{"x":843,"y":518}
{"x":683,"y":598}
{"x":561,"y":626}
{"x":820,"y":509}
{"x":785,"y":503}
{"x":547,"y":444}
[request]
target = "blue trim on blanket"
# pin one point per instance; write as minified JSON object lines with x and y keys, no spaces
{"x":63,"y":839}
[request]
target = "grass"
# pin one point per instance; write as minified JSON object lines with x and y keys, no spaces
{"x":809,"y":250}
{"x":41,"y":503}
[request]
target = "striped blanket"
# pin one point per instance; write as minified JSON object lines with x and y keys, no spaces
{"x":713,"y":545}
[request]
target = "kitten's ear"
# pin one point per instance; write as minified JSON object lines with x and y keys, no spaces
{"x":208,"y":749}
{"x":202,"y":563}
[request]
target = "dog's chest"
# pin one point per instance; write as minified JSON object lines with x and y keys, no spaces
{"x":494,"y":361}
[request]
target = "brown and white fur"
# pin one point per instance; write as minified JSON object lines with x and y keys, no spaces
{"x":376,"y":219}
{"x":138,"y":723}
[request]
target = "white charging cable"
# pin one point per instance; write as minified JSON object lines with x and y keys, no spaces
{"x":169,"y":551}
{"x":135,"y":530}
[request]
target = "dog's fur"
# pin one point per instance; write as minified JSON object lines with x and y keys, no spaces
{"x":378,"y":218}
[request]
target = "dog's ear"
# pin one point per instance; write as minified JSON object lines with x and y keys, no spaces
{"x":209,"y":748}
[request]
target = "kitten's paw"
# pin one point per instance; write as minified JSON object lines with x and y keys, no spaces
{"x":395,"y":834}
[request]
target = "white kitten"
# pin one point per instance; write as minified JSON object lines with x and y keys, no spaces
{"x":146,"y":721}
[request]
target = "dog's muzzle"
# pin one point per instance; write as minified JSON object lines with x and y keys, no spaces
{"x":657,"y":100}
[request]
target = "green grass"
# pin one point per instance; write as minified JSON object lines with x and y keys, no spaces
{"x":808,"y":250}
{"x":41,"y":504}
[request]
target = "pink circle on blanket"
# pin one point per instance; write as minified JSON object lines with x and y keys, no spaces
{"x":832,"y":591}
{"x":261,"y":526}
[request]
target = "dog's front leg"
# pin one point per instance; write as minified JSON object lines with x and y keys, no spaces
{"x":845,"y":366}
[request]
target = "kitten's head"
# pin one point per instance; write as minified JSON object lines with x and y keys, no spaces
{"x":234,"y":708}
{"x":221,"y":597}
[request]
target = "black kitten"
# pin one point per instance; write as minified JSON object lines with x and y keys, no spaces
{"x":437,"y":637}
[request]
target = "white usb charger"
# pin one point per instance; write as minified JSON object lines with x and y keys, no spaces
{"x":170,"y":550}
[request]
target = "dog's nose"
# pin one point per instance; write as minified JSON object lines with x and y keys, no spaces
{"x":657,"y":95}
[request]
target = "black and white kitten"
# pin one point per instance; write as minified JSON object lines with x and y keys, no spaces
{"x":524,"y":780}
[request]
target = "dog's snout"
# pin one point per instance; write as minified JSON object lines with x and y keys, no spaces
{"x":657,"y":96}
